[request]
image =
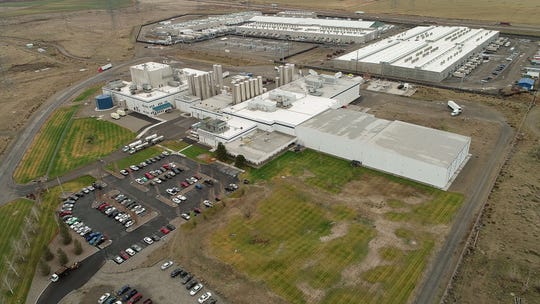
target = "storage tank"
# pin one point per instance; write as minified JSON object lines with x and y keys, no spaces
{"x":104,"y":102}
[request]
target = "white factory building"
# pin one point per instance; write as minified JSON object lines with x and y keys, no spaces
{"x":422,"y":154}
{"x":154,"y":87}
{"x":312,"y":29}
{"x":427,"y":53}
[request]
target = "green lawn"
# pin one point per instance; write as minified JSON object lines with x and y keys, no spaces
{"x":87,"y":140}
{"x":11,"y":222}
{"x":87,"y":93}
{"x":194,"y":152}
{"x":47,"y":229}
{"x":281,"y":244}
{"x":134,"y":158}
{"x":38,"y":157}
{"x":17,"y":8}
{"x":175,"y":145}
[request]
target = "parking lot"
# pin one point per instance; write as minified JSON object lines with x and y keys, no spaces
{"x":130,"y":214}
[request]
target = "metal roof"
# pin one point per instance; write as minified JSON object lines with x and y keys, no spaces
{"x":356,"y":24}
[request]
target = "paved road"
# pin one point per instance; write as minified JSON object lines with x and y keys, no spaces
{"x":8,"y":189}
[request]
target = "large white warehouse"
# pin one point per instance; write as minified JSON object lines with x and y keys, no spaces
{"x":428,"y":53}
{"x":422,"y":154}
{"x":313,"y":29}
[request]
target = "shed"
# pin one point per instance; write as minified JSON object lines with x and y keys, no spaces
{"x":526,"y":83}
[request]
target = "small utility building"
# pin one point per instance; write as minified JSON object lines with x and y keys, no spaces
{"x":526,"y":83}
{"x":422,"y":154}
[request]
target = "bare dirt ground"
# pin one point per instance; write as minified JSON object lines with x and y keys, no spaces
{"x":504,"y":266}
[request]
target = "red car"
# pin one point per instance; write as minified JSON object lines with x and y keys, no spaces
{"x":164,"y":230}
{"x":135,"y":298}
{"x":148,"y":301}
{"x":197,"y":210}
{"x":184,"y":184}
{"x":124,"y":255}
{"x":148,"y":175}
{"x":103,"y":206}
{"x":167,"y":166}
{"x":64,"y":213}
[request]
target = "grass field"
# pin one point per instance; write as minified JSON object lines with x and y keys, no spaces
{"x":87,"y":140}
{"x":38,"y":157}
{"x":17,"y":8}
{"x":11,"y":222}
{"x":175,"y":145}
{"x":309,"y":238}
{"x":47,"y":229}
{"x":87,"y":93}
{"x":282,"y":246}
{"x":134,"y":158}
{"x":194,"y":152}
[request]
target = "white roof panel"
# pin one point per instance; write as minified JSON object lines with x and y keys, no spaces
{"x":357,"y":24}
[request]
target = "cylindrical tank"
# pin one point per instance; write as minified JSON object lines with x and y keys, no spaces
{"x":104,"y":102}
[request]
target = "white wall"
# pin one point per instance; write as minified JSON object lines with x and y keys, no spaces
{"x":348,"y":96}
{"x":137,"y":105}
{"x":374,"y":157}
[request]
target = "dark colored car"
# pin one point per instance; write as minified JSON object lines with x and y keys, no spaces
{"x":191,"y":284}
{"x":130,"y":294}
{"x":187,"y":278}
{"x":176,"y":272}
{"x":123,"y":290}
{"x":171,"y":227}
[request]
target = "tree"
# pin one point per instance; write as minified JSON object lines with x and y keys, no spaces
{"x":62,"y":257}
{"x":44,"y":268}
{"x":66,"y":236}
{"x":221,"y":152}
{"x":240,"y":161}
{"x":47,"y":254}
{"x":77,"y":247}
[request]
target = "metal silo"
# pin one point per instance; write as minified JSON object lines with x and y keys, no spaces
{"x":104,"y":102}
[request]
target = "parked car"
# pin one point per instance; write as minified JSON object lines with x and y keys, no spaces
{"x":118,"y":260}
{"x":175,"y":272}
{"x":164,"y":230}
{"x":196,"y":289}
{"x":166,"y":265}
{"x":203,"y":298}
{"x":124,"y":172}
{"x":130,"y":251}
{"x":136,"y":298}
{"x":185,"y":216}
{"x":103,"y":298}
{"x":148,"y":240}
{"x":123,"y":290}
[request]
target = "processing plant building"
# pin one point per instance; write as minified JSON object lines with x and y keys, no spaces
{"x":312,"y":29}
{"x":426,"y":53}
{"x":426,"y":155}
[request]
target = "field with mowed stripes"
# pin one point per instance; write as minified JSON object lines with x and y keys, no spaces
{"x":323,"y":231}
{"x":87,"y":140}
{"x":11,"y":222}
{"x":64,"y":144}
{"x":37,"y":159}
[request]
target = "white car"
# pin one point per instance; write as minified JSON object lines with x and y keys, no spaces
{"x":156,"y":180}
{"x":185,"y":216}
{"x":182,"y":198}
{"x":204,"y":297}
{"x":148,"y":240}
{"x":208,"y":203}
{"x":130,"y":251}
{"x":118,"y":259}
{"x":166,"y":265}
{"x":129,"y":224}
{"x":196,"y":289}
{"x":134,"y":168}
{"x":103,"y":298}
{"x":139,"y":211}
{"x":176,"y":200}
{"x":171,"y":191}
{"x":139,"y":181}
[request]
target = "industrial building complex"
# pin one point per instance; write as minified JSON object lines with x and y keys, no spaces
{"x":307,"y":110}
{"x":312,"y":29}
{"x":300,"y":26}
{"x":426,"y":53}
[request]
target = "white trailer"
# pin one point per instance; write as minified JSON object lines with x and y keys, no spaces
{"x":150,"y":137}
{"x":456,"y":109}
{"x":121,"y":112}
{"x":105,"y":67}
{"x":135,"y":143}
{"x":115,"y":116}
{"x":157,"y":139}
{"x":141,"y":146}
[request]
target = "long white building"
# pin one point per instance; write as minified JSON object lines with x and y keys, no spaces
{"x":313,"y":29}
{"x":428,"y":53}
{"x":422,"y":154}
